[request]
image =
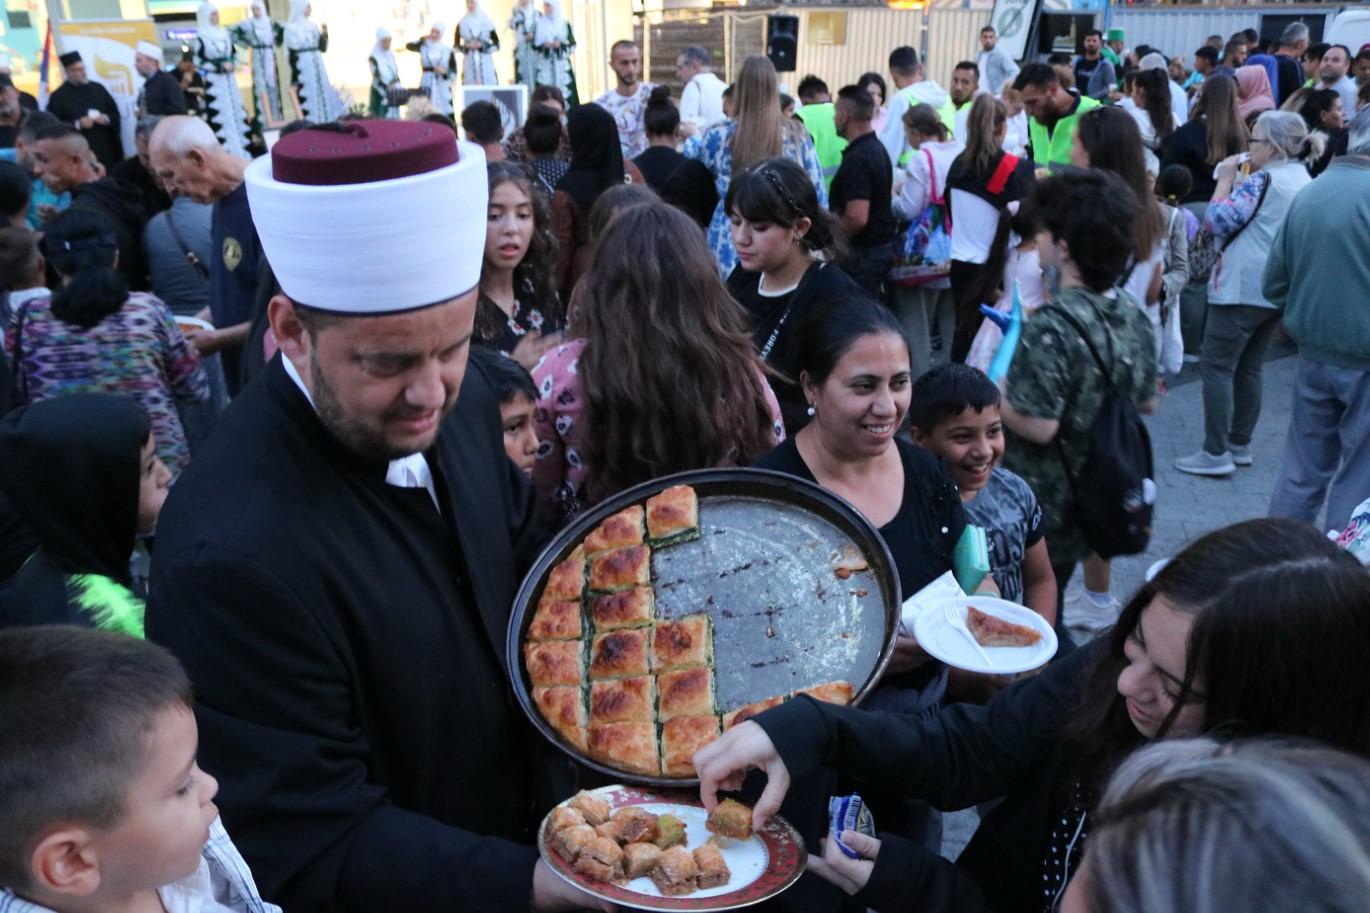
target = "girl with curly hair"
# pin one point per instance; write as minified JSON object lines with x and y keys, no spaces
{"x":518,"y":311}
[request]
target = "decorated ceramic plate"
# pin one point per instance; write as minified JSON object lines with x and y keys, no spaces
{"x":761,"y":867}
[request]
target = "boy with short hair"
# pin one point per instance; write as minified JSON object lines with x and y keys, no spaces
{"x":954,"y":414}
{"x":516,"y":392}
{"x":102,"y":804}
{"x":1055,"y":390}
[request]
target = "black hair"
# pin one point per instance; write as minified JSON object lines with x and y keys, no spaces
{"x":34,"y":123}
{"x":79,"y":705}
{"x":1098,"y":32}
{"x":810,"y":86}
{"x":1039,"y":75}
{"x":904,"y":61}
{"x":295,"y":126}
{"x":1344,"y":48}
{"x":776,"y":191}
{"x":542,"y":130}
{"x":1059,"y":59}
{"x":547,"y":93}
{"x":1092,"y":211}
{"x":829,"y":332}
{"x":1318,"y":103}
{"x":948,"y":390}
{"x":1174,"y":183}
{"x":507,"y":377}
{"x":1318,"y":50}
{"x":661,"y":117}
{"x":968,"y":65}
{"x":1207,"y":52}
{"x":15,"y":189}
{"x":18,"y":258}
{"x":482,"y":122}
{"x":444,"y":119}
{"x":57,"y":131}
{"x":859,"y":103}
{"x":728,"y":90}
{"x":987,"y":28}
{"x":1363,"y":53}
{"x":786,"y":101}
{"x":873,"y":78}
{"x":82,"y":246}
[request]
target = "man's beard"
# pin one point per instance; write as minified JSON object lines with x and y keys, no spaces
{"x":355,"y":435}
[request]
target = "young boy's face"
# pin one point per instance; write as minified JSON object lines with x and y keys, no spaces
{"x":971,"y":443}
{"x":169,"y":809}
{"x":520,"y":440}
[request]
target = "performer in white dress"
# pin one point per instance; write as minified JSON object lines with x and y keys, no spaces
{"x":439,"y":60}
{"x":524,"y":23}
{"x":385,"y":77}
{"x":479,"y":40}
{"x":261,"y":34}
{"x":305,"y":43}
{"x":553,"y":42}
{"x":217,"y":61}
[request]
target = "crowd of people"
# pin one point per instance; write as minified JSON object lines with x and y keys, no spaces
{"x":291,"y":429}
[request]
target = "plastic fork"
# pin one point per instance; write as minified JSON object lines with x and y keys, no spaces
{"x":953,"y":615}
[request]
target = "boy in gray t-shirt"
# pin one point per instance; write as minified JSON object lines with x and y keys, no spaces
{"x":954,"y":413}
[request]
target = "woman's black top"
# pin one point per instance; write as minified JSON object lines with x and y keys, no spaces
{"x":685,"y":183}
{"x":966,"y":754}
{"x":1189,"y":147}
{"x":781,"y":316}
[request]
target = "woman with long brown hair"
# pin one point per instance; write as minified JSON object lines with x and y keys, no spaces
{"x":982,"y":182}
{"x":518,"y":311}
{"x":1213,"y":133}
{"x":660,"y":375}
{"x":757,"y":131}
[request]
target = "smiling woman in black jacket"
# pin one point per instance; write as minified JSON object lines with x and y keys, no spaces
{"x":1257,"y":629}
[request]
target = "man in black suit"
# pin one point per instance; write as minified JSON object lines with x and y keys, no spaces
{"x":90,"y":108}
{"x":161,"y":94}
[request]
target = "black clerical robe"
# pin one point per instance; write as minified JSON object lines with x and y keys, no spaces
{"x":162,"y":95}
{"x":69,"y":103}
{"x":346,"y":645}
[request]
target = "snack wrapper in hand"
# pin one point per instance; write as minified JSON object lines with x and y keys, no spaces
{"x":1356,"y":537}
{"x":849,"y":813}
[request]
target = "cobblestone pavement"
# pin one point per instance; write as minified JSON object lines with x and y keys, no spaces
{"x":1189,"y":506}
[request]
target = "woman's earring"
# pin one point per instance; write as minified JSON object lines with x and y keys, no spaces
{"x":812,"y":411}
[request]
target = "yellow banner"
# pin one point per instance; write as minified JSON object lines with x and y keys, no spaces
{"x":107,"y":47}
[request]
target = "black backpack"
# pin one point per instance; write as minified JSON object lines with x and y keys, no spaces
{"x":1115,"y":494}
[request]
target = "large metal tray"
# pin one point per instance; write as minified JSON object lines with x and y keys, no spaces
{"x":762,"y":569}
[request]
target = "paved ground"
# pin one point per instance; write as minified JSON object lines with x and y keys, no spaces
{"x":1189,"y":506}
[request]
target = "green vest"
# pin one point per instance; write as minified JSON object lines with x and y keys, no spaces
{"x":1052,"y":148}
{"x":818,"y":120}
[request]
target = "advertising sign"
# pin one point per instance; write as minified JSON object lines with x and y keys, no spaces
{"x":107,"y":47}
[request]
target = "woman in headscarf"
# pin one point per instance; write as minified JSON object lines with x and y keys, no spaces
{"x":305,"y":43}
{"x":216,"y":59}
{"x":596,"y":165}
{"x":84,"y":474}
{"x":1253,"y":93}
{"x":524,"y":24}
{"x":261,"y":34}
{"x":553,"y":42}
{"x":479,"y":41}
{"x":385,"y":77}
{"x":438,"y":61}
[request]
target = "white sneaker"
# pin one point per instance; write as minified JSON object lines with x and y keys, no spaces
{"x":1241,"y":456}
{"x":1204,"y":463}
{"x":1084,"y":614}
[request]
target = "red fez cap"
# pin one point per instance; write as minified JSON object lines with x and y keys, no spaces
{"x":362,"y":152}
